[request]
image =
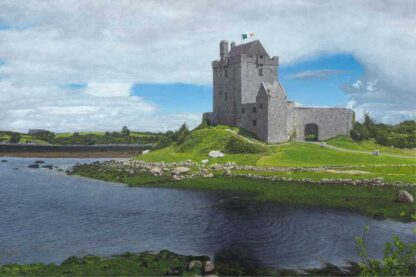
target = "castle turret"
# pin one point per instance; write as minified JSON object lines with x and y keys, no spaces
{"x":223,"y":49}
{"x":232,"y":44}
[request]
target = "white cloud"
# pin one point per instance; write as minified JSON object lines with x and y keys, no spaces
{"x":63,"y":110}
{"x":110,"y":45}
{"x":108,"y":89}
{"x":313,"y":74}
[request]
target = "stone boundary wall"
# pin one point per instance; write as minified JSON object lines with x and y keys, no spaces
{"x":8,"y":148}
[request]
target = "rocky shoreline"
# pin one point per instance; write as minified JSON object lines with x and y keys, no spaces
{"x":191,"y":169}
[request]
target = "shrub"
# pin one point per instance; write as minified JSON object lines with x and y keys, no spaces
{"x":399,"y":258}
{"x":238,"y":145}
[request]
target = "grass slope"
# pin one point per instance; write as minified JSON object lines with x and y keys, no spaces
{"x":247,"y":150}
{"x":368,"y":145}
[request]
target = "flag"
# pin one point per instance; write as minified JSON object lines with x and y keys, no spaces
{"x":248,"y":35}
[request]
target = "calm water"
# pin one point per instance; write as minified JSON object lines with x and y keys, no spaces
{"x":46,"y":216}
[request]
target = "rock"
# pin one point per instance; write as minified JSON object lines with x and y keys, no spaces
{"x":209,"y":266}
{"x":208,"y":175}
{"x":227,"y":172}
{"x":205,"y":161}
{"x":156,"y":170}
{"x":39,"y":162}
{"x":177,"y":177}
{"x":33,"y":166}
{"x":49,"y":166}
{"x":404,"y":197}
{"x":322,"y":144}
{"x":145,"y":152}
{"x":4,"y":161}
{"x":215,"y":154}
{"x":180,"y":170}
{"x":193,"y":264}
{"x":376,"y":153}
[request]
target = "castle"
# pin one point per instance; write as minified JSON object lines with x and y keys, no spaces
{"x":247,"y":94}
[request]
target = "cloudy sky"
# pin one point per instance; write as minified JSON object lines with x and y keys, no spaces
{"x":98,"y":65}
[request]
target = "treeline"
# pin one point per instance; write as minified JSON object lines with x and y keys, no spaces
{"x":402,"y":135}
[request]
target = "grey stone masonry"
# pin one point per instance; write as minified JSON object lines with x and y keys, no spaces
{"x":247,"y":94}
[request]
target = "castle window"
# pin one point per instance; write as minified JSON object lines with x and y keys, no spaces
{"x":226,"y":73}
{"x":254,"y":109}
{"x":260,"y":71}
{"x":254,"y":122}
{"x":225,"y":96}
{"x":261,"y":106}
{"x":261,"y":56}
{"x":243,"y":110}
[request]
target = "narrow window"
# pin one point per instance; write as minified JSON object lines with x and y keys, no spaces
{"x":225,"y":96}
{"x":226,"y":73}
{"x":254,"y":109}
{"x":254,"y":123}
{"x":261,"y":56}
{"x":243,"y":110}
{"x":261,"y":106}
{"x":260,"y":71}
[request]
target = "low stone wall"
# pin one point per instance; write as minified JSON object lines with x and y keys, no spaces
{"x":34,"y":148}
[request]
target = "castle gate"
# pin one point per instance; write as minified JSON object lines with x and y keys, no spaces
{"x":311,"y":132}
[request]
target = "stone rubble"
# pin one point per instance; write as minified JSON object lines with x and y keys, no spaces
{"x":190,"y":169}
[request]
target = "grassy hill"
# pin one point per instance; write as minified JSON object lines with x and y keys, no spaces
{"x":244,"y":149}
{"x":355,"y":159}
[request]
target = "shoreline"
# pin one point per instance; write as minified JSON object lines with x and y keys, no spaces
{"x":376,"y":201}
{"x":165,"y":263}
{"x":80,"y":154}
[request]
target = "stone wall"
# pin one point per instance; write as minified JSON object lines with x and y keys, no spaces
{"x":331,"y":121}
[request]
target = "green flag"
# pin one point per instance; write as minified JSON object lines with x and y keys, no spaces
{"x":245,"y":36}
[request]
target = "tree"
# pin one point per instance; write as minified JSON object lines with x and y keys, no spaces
{"x":183,"y":132}
{"x":125,"y":131}
{"x":14,"y":138}
{"x":75,"y":135}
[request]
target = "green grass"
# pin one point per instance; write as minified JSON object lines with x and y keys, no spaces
{"x":128,"y":264}
{"x":368,"y":145}
{"x":378,"y":201}
{"x":164,"y":263}
{"x":310,"y":155}
{"x":292,"y":154}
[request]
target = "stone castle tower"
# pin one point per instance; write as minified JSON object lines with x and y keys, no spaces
{"x":247,"y":94}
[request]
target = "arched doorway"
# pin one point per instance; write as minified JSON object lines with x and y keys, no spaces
{"x":311,"y":132}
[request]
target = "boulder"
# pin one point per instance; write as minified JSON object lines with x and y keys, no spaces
{"x":404,"y":197}
{"x":205,"y":161}
{"x":208,"y":266}
{"x":180,"y":170}
{"x":194,"y":264}
{"x":322,"y":144}
{"x":145,"y":152}
{"x":177,"y":177}
{"x":376,"y":153}
{"x":215,"y":154}
{"x":155,"y":171}
{"x":33,"y":166}
{"x":39,"y":162}
{"x":4,"y":161}
{"x":227,"y":172}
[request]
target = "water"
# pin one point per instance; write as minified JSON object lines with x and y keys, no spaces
{"x":46,"y":216}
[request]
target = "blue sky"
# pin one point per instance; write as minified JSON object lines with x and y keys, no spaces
{"x":322,"y":86}
{"x":99,"y":65}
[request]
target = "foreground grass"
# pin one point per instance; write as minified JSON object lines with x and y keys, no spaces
{"x":165,"y":263}
{"x":374,"y":201}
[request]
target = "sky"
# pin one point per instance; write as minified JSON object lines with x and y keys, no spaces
{"x":99,"y":65}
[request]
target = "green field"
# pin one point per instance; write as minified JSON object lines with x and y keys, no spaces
{"x":249,"y":151}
